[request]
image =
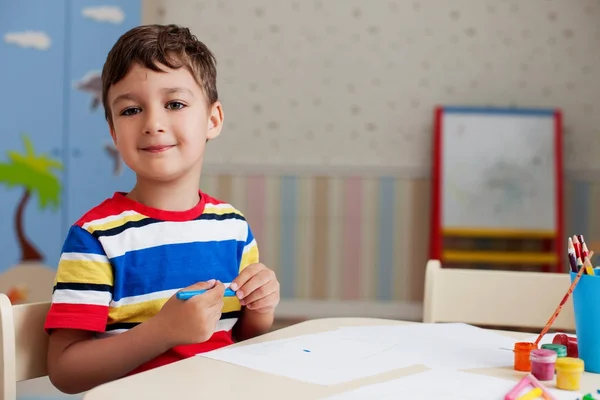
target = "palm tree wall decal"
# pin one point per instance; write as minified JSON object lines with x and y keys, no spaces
{"x":35,"y":175}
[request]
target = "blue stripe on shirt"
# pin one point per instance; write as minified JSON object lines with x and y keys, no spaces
{"x":79,"y":240}
{"x":174,"y":266}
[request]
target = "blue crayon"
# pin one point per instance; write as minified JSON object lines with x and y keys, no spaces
{"x":188,"y":294}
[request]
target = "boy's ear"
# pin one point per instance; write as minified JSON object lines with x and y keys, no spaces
{"x":215,"y":120}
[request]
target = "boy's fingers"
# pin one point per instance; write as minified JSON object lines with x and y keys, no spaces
{"x":205,"y":285}
{"x":265,"y":302}
{"x":215,"y":294}
{"x":254,"y":283}
{"x":264,"y":290}
{"x":214,"y":291}
{"x":244,"y":276}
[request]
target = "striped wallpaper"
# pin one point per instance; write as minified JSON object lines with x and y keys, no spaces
{"x":342,"y":238}
{"x":356,"y":238}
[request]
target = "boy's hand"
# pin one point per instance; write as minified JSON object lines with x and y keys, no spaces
{"x":257,"y":288}
{"x":193,"y":320}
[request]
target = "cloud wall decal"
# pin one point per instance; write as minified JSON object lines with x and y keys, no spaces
{"x":29,"y":39}
{"x":111,"y":14}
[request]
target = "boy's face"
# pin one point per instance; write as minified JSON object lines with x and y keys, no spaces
{"x":161,"y":122}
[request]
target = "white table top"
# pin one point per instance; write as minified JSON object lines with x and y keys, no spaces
{"x":201,"y":377}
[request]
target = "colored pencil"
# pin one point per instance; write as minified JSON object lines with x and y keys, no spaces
{"x":548,"y":325}
{"x":188,"y":294}
{"x":589,"y":269}
{"x":577,"y":246}
{"x":584,"y":250}
{"x":571,"y":255}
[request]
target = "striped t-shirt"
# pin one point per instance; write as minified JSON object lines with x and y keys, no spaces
{"x":123,"y":260}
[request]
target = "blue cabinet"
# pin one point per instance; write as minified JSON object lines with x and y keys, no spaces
{"x":31,"y":107}
{"x":55,"y":156}
{"x":94,"y":170}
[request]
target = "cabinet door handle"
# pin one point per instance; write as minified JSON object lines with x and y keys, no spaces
{"x":76,"y":152}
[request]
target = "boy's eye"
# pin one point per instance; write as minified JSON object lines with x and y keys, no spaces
{"x":175,"y":105}
{"x":131,"y":111}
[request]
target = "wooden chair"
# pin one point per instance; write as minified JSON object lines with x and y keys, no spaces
{"x":23,"y":346}
{"x":509,"y":299}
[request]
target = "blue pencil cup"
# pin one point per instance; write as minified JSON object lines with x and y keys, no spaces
{"x":586,"y":303}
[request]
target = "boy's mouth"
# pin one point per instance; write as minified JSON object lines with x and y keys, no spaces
{"x":157,"y":149}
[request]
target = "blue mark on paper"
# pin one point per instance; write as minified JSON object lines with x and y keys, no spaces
{"x":306,"y":351}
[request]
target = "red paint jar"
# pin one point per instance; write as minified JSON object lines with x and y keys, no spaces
{"x":569,"y":342}
{"x":542,"y":364}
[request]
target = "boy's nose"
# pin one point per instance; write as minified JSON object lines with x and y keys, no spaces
{"x":153,"y":130}
{"x":154,"y":124}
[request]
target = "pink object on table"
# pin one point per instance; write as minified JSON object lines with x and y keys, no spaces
{"x":531,"y":381}
{"x":542,"y":364}
{"x":514,"y":393}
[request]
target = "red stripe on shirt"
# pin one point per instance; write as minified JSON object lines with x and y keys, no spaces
{"x":77,"y":316}
{"x":178,"y":353}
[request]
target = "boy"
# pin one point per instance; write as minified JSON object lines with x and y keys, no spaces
{"x":113,"y":309}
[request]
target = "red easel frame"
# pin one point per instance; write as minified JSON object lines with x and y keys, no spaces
{"x":436,"y":238}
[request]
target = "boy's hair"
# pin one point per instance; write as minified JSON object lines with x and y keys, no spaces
{"x":170,"y":45}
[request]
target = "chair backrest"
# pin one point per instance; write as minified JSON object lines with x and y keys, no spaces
{"x":517,"y":299}
{"x":23,"y":344}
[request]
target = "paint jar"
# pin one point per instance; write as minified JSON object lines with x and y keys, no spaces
{"x":522,"y":352}
{"x":560,"y":349}
{"x":568,"y":341}
{"x":542,"y":364}
{"x":568,"y":373}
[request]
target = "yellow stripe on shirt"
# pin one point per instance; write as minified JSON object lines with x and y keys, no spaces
{"x":137,"y":312}
{"x":144,"y":310}
{"x":231,"y":304}
{"x":113,"y":224}
{"x":221,"y":211}
{"x":83,"y":271}
{"x":250,"y":256}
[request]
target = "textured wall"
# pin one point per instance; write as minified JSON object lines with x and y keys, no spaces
{"x":353,"y":83}
{"x":328,"y":110}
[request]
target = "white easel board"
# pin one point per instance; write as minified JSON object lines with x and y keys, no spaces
{"x":498,"y":169}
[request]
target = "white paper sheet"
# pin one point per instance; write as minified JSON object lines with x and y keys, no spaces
{"x":443,"y":345}
{"x":324,"y":358}
{"x":350,"y":353}
{"x":443,"y":384}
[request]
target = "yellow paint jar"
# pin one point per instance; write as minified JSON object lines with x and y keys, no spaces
{"x":568,"y":373}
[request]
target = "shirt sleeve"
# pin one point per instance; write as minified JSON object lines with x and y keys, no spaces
{"x":83,"y":285}
{"x":248,"y":253}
